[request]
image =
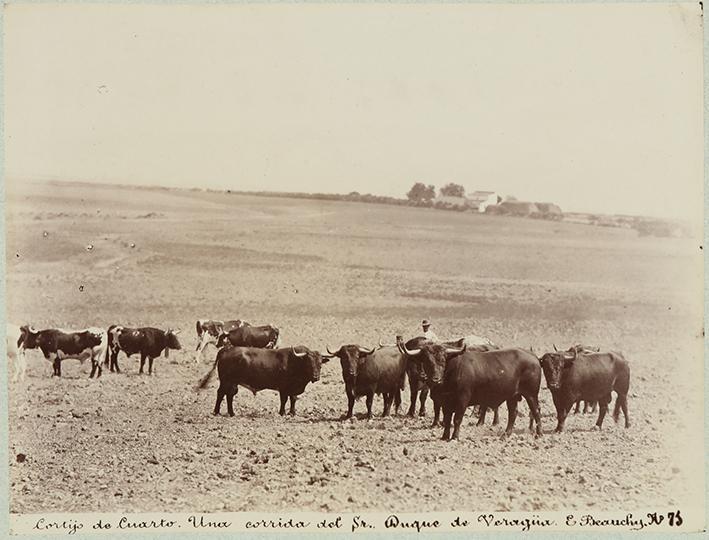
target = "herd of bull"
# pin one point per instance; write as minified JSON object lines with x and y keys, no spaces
{"x":456,"y":375}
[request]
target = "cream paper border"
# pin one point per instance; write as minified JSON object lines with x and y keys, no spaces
{"x":574,"y":524}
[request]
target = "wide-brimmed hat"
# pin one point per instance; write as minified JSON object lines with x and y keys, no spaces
{"x":425,"y":322}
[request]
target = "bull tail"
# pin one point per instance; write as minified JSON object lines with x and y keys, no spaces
{"x":204,"y":381}
{"x":199,"y":334}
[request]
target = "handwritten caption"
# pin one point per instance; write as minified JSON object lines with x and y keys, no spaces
{"x":355,"y":523}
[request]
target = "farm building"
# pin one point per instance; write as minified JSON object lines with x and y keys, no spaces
{"x":548,"y":211}
{"x":480,"y":200}
{"x":513,"y":208}
{"x":449,"y":201}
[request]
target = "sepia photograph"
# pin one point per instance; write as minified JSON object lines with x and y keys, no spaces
{"x":329,"y":259}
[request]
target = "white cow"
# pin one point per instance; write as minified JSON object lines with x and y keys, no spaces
{"x":476,"y":341}
{"x":16,"y":350}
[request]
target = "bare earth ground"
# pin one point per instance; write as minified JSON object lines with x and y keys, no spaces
{"x":330,"y":272}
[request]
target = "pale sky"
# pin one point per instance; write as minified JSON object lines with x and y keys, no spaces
{"x":595,"y":107}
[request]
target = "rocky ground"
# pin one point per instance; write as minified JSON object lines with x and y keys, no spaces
{"x":335,"y":273}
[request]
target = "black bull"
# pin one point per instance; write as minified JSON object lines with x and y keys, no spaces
{"x":572,"y":376}
{"x":418,"y":386}
{"x":285,"y":370}
{"x":460,"y":378}
{"x":367,"y":372}
{"x":264,"y":337}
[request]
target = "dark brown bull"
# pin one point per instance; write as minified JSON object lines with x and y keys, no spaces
{"x":285,"y":370}
{"x":460,"y":378}
{"x":572,"y":376}
{"x":262,"y":337}
{"x":418,"y":384}
{"x":367,"y":372}
{"x":147,"y":341}
{"x":588,"y":406}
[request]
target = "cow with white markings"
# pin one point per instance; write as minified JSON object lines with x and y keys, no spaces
{"x":58,"y":345}
{"x":208,"y":332}
{"x":147,"y":341}
{"x":16,"y":350}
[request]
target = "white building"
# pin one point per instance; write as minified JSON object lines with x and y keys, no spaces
{"x":482,"y":199}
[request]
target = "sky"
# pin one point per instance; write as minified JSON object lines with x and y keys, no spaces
{"x":595,"y":107}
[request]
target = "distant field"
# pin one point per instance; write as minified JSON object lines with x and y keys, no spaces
{"x":335,"y":273}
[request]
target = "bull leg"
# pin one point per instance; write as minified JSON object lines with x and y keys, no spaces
{"x":150,"y":365}
{"x":230,"y":393}
{"x":511,"y":415}
{"x":447,"y":417}
{"x":220,"y":397}
{"x":95,"y":365}
{"x":397,"y":401}
{"x":422,"y":405}
{"x":457,"y":420}
{"x":603,"y":408}
{"x":578,"y":406}
{"x":388,"y":398}
{"x":284,"y":398}
{"x":496,"y":416}
{"x":142,"y":363}
{"x":57,"y":365}
{"x":593,"y":406}
{"x":350,"y":405}
{"x":200,"y":348}
{"x":534,"y":414}
{"x":414,"y":394}
{"x":436,"y":413}
{"x":292,"y":405}
{"x":481,"y":416}
{"x":560,"y":413}
{"x":370,"y":401}
{"x":114,"y":362}
{"x":624,"y":406}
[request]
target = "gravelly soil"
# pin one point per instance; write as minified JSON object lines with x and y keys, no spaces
{"x":339,"y":273}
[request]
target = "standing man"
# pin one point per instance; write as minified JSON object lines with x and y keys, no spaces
{"x":427,"y":332}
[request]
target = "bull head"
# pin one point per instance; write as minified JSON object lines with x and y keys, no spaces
{"x":172,"y":341}
{"x":553,"y":365}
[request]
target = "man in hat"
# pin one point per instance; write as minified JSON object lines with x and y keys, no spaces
{"x":427,"y":332}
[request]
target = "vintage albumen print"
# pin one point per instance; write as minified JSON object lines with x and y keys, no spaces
{"x":404,"y":262}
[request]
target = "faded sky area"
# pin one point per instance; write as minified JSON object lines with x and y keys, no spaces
{"x":595,"y":107}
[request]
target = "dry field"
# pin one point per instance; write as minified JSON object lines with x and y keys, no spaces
{"x":335,"y":273}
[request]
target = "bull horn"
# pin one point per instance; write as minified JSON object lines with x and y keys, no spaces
{"x":330,"y":354}
{"x":175,"y":332}
{"x":299,"y":355}
{"x":407,"y":352}
{"x":366,"y":351}
{"x":555,"y":349}
{"x":327,"y":347}
{"x":450,"y":350}
{"x":382,"y":345}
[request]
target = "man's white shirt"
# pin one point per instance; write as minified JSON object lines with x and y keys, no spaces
{"x":430,"y":335}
